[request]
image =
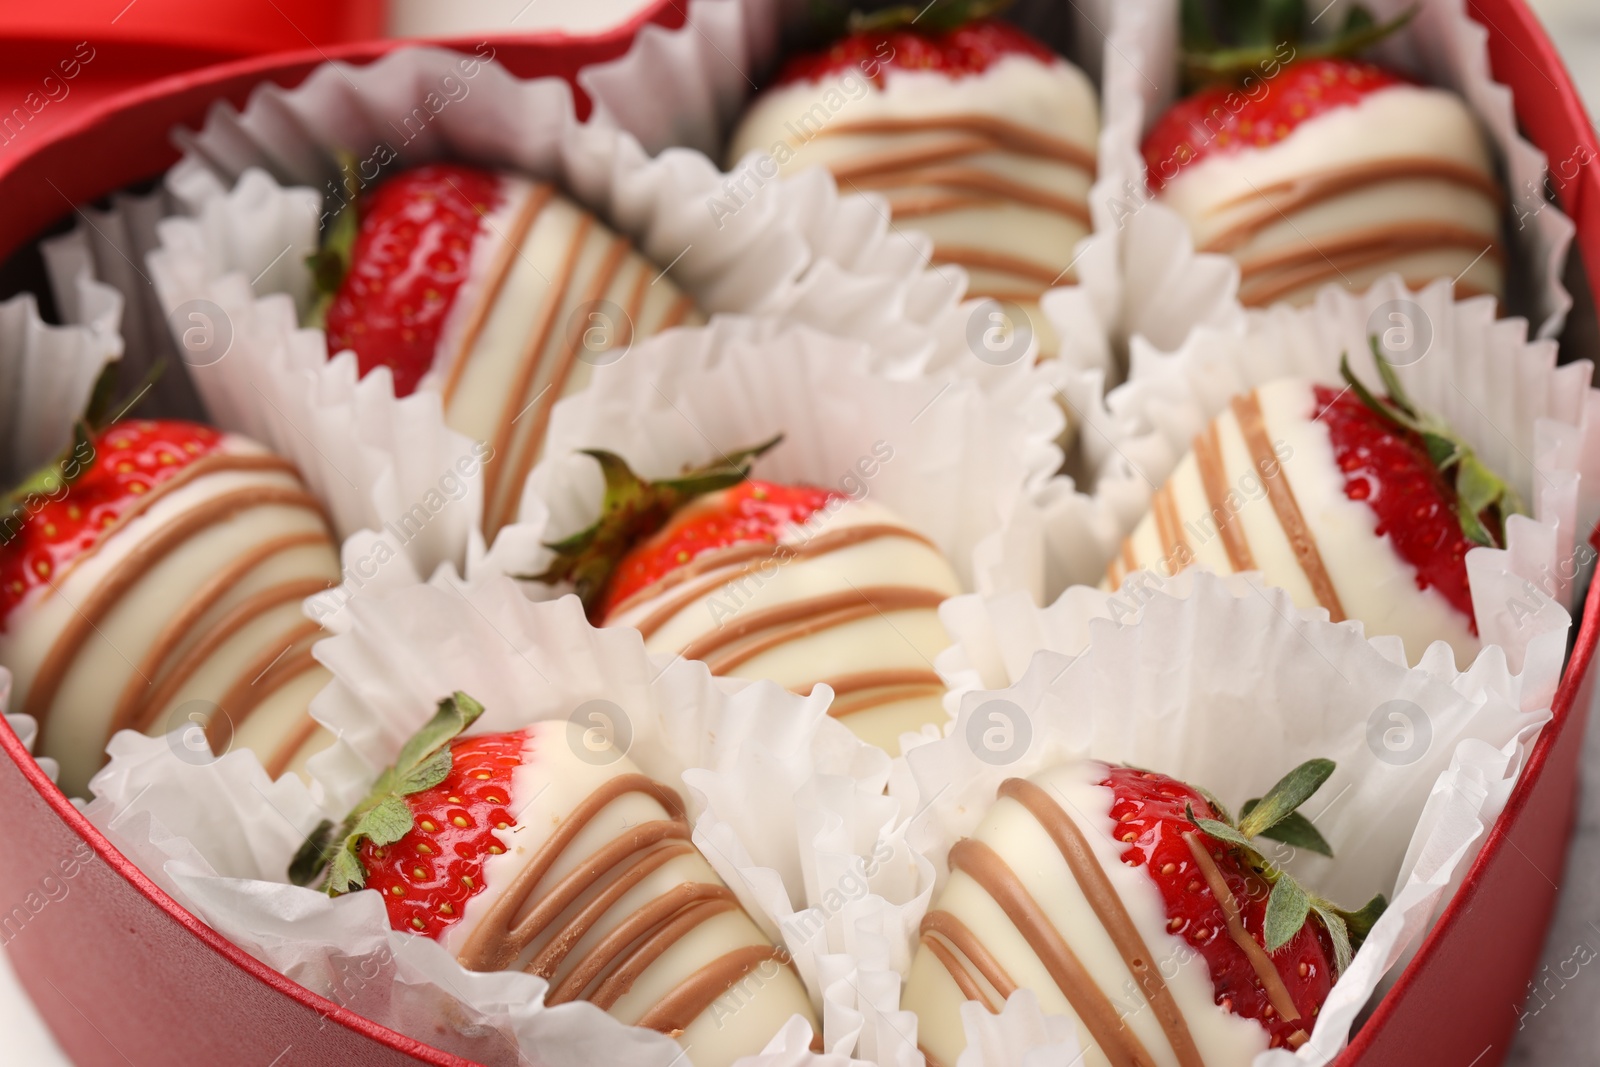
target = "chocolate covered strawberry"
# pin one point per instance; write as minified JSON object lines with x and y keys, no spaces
{"x":151,"y":578}
{"x":1133,"y":904}
{"x":1311,"y":167}
{"x":796,"y":584}
{"x":539,"y":851}
{"x":977,"y":135}
{"x":1362,"y":505}
{"x":496,"y":291}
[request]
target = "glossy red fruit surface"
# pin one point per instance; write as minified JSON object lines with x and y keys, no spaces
{"x":428,"y":876}
{"x":1149,"y":817}
{"x":411,"y":256}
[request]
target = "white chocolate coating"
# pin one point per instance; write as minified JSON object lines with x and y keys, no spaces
{"x":1038,"y":864}
{"x":1372,"y":582}
{"x":518,"y":339}
{"x":562,"y":768}
{"x":995,"y":167}
{"x":1402,"y":181}
{"x":850,"y":600}
{"x":189,"y":610}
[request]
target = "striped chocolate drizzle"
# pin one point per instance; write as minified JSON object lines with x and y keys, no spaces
{"x":546,"y":363}
{"x":518,"y":919}
{"x":1247,"y":409}
{"x":1272,"y":274}
{"x":1170,"y":530}
{"x":140,"y":709}
{"x":945,"y":936}
{"x":750,"y":632}
{"x":940,"y":176}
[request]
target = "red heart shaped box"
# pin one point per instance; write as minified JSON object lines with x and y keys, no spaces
{"x":123,"y":975}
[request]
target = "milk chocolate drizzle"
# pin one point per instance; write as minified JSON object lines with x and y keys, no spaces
{"x":1270,"y":275}
{"x":517,"y":919}
{"x":1247,"y":409}
{"x":750,"y":632}
{"x":1208,"y":460}
{"x":1285,"y":507}
{"x":1094,"y":1009}
{"x":546,"y":363}
{"x":1271,"y":980}
{"x":980,"y":862}
{"x":155,"y":548}
{"x":938,"y":176}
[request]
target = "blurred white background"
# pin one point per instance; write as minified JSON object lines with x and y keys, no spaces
{"x":1566,"y":1031}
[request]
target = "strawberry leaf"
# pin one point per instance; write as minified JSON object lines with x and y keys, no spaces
{"x":312,"y":855}
{"x":1360,"y":922}
{"x":1338,"y":933}
{"x":330,"y":263}
{"x":1297,"y":831}
{"x":1287,"y":909}
{"x":1225,"y":40}
{"x":384,"y":817}
{"x":1292,"y":790}
{"x":1219,"y":830}
{"x":941,"y":16}
{"x":632,"y":510}
{"x":1484,"y":500}
{"x":1216,"y":805}
{"x":345,"y":872}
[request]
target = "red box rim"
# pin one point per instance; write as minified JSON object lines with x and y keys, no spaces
{"x":1520,"y":53}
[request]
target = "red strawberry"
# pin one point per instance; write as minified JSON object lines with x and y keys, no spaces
{"x":105,"y":473}
{"x":1151,"y":813}
{"x":751,"y":511}
{"x":1207,"y":122}
{"x":428,"y":876}
{"x":969,"y":48}
{"x":1221,"y":911}
{"x":1433,"y":497}
{"x":647,"y":529}
{"x":409,"y":259}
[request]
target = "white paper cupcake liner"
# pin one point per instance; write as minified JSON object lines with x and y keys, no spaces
{"x":744,"y":40}
{"x":238,"y":250}
{"x":219,"y":835}
{"x":1536,"y":423}
{"x":965,"y":456}
{"x":47,"y":372}
{"x":1168,"y":685}
{"x":1443,"y":46}
{"x":24,"y":726}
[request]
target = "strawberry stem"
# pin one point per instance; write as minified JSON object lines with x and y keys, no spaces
{"x":632,"y":510}
{"x":1225,"y":40}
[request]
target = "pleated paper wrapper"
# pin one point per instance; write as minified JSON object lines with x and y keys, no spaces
{"x":1443,"y":45}
{"x":1171,"y":686}
{"x":249,"y":197}
{"x":1535,"y":423}
{"x":754,"y":762}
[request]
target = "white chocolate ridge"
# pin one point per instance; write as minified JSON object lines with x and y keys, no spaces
{"x":850,"y":600}
{"x":188,"y":613}
{"x":995,"y":167}
{"x":516,"y":340}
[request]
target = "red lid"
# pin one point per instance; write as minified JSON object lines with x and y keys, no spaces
{"x":58,"y":56}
